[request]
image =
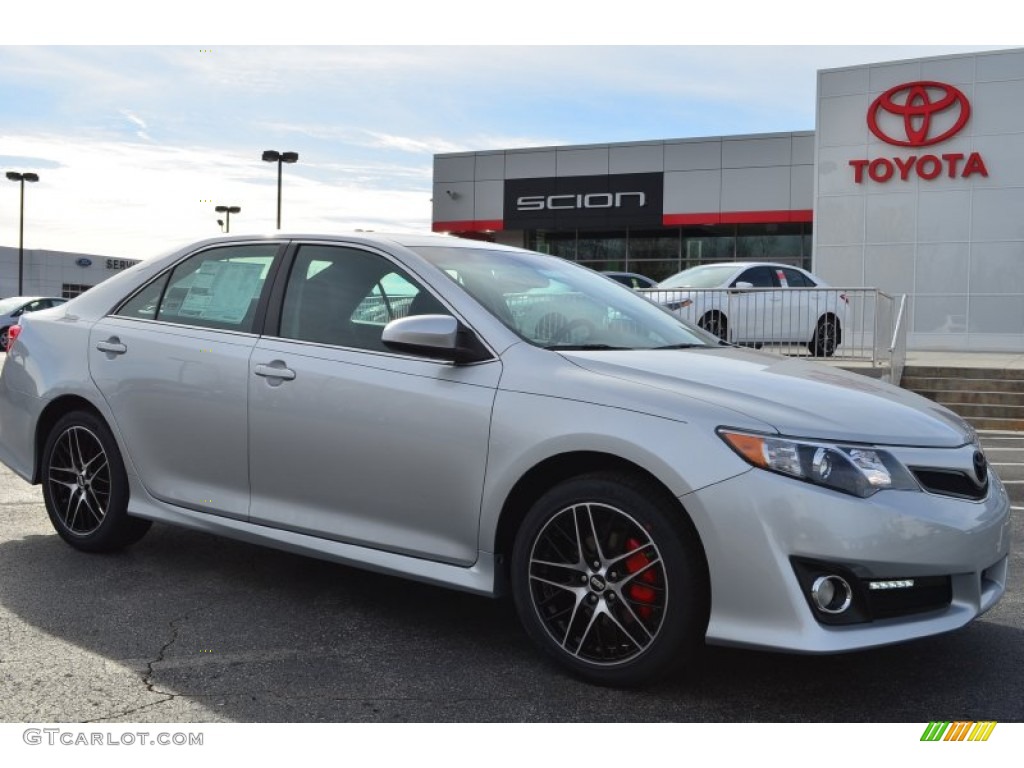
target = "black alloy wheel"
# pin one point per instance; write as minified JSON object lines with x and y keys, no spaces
{"x":85,"y":486}
{"x":610,"y":580}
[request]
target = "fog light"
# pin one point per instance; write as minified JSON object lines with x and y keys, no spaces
{"x":831,"y":594}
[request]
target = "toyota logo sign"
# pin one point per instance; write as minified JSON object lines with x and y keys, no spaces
{"x":916,"y":115}
{"x":924,"y":113}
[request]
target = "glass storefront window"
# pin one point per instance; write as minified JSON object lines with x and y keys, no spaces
{"x":660,"y":244}
{"x":770,"y":242}
{"x":561,"y":244}
{"x":602,"y":246}
{"x":701,"y":246}
{"x":660,"y":253}
{"x":657,"y":270}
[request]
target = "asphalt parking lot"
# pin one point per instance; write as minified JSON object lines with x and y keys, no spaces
{"x":185,"y":627}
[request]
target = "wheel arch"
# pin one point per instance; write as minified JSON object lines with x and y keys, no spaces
{"x":545,"y":475}
{"x":50,"y":415}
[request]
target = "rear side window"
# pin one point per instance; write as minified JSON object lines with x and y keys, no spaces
{"x":797,"y":279}
{"x":217,"y":288}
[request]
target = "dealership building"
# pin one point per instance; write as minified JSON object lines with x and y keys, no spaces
{"x":55,"y":273}
{"x":912,"y":182}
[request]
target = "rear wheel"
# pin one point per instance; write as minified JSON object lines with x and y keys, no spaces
{"x":85,"y":486}
{"x":5,"y":339}
{"x":827,"y":335}
{"x":609,"y":579}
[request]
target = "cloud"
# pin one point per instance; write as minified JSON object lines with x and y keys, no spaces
{"x":131,"y":199}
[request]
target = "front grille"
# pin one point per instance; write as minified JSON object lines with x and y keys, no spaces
{"x":951,"y":482}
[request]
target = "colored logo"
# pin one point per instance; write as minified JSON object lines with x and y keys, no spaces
{"x":925,"y":113}
{"x":84,"y":262}
{"x":959,"y":731}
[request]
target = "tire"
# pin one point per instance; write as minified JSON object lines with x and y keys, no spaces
{"x":634,"y":607}
{"x":85,"y":486}
{"x":715,"y":323}
{"x":5,"y":339}
{"x":827,"y":336}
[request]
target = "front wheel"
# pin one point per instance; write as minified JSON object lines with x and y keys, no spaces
{"x":716,"y":324}
{"x":85,"y":486}
{"x":609,"y":579}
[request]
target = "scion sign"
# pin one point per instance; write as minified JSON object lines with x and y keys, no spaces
{"x":620,"y":200}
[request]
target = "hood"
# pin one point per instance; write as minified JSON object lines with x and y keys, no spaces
{"x":798,"y":397}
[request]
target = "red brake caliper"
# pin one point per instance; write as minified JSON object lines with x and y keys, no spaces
{"x":636,"y":590}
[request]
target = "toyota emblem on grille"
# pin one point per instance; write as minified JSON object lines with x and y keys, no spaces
{"x":980,"y":466}
{"x":930,"y":112}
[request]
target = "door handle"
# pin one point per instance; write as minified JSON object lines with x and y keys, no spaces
{"x":112,"y":346}
{"x":275,"y":372}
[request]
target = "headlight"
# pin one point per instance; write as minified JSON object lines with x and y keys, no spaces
{"x":852,"y":469}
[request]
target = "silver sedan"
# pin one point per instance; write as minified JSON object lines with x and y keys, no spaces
{"x":490,"y":419}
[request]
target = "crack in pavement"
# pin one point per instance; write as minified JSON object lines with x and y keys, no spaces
{"x":147,"y":678}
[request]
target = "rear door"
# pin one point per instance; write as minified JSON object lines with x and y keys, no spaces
{"x":173,"y":365}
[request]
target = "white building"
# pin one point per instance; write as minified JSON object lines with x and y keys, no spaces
{"x":55,"y":273}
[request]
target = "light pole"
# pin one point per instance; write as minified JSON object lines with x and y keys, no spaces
{"x":22,"y":177}
{"x":273,"y":156}
{"x":227,"y":210}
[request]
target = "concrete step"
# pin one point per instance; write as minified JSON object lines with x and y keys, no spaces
{"x":1015,"y":490}
{"x":1013,"y":412}
{"x":1008,"y":471}
{"x":950,"y":372}
{"x":967,"y":382}
{"x":946,"y":396}
{"x":993,"y":422}
{"x":989,"y":398}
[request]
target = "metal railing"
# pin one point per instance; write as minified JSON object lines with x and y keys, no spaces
{"x":898,"y":344}
{"x":843,"y":324}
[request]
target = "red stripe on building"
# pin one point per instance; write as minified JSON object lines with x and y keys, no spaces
{"x":736,"y":217}
{"x":468,"y":226}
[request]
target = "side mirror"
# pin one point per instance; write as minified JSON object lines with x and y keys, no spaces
{"x":435,"y":336}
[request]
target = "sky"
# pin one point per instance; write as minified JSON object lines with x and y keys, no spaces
{"x":137,"y":130}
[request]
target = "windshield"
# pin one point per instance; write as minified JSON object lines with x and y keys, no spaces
{"x":556,"y":304}
{"x":712,"y":276}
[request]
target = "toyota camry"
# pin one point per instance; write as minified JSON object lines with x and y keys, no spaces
{"x":494,"y":420}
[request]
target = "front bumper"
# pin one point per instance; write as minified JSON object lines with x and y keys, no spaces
{"x":755,"y":527}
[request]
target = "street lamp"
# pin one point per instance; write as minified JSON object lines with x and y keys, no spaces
{"x":272,"y":156}
{"x":22,"y":177}
{"x":227,"y":210}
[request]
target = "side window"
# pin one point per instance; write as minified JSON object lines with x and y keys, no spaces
{"x":345,"y":296}
{"x":218,"y":288}
{"x":759,"y":277}
{"x":797,"y":279}
{"x":143,"y":305}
